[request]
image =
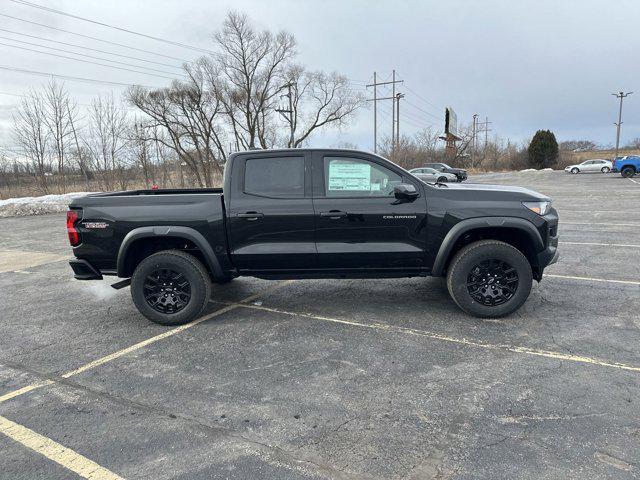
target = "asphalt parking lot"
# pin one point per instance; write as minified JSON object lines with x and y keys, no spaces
{"x":331,"y":379}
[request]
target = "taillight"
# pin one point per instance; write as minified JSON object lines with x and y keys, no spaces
{"x":72,"y":231}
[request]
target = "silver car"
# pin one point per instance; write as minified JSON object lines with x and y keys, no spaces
{"x":427,"y":174}
{"x":590,"y":166}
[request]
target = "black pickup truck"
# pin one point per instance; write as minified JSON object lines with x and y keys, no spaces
{"x":314,"y":213}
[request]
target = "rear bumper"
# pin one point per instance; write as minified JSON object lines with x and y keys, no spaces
{"x":83,"y":270}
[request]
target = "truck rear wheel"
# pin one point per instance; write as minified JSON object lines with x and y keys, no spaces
{"x":170,"y":287}
{"x":489,"y":278}
{"x":628,"y":172}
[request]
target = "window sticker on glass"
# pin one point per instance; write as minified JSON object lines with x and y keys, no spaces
{"x":349,"y":176}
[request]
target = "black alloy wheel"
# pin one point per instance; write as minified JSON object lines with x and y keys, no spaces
{"x":166,"y":291}
{"x":492,"y":282}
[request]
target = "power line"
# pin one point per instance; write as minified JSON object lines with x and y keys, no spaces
{"x":128,"y":110}
{"x":84,"y":55}
{"x":86,"y":61}
{"x":419,"y":120}
{"x":93,"y":38}
{"x":70,"y":77}
{"x":77,"y":17}
{"x":423,"y":111}
{"x":424,"y":99}
{"x":86,"y":48}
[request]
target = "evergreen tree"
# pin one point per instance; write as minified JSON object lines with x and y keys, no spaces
{"x":543,"y":150}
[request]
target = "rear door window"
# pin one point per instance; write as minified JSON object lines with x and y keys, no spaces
{"x":277,"y":177}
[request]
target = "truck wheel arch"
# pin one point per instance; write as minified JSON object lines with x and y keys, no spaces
{"x":168,"y":231}
{"x":447,"y":247}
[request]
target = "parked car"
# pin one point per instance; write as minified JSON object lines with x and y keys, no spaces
{"x":590,"y":166}
{"x":311,"y":213}
{"x":460,"y":174}
{"x":432,"y":175}
{"x":628,"y":166}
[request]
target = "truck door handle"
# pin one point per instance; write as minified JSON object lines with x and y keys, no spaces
{"x":250,"y":216}
{"x":333,"y":214}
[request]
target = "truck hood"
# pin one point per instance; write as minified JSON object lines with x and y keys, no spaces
{"x":481,"y":189}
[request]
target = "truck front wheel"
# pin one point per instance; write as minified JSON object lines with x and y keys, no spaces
{"x":170,"y":287}
{"x":489,"y":278}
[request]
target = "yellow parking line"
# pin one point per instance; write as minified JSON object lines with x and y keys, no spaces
{"x":600,"y":244}
{"x":461,"y":341}
{"x":22,"y":391}
{"x":591,"y":279}
{"x":139,"y":345}
{"x":607,"y":224}
{"x":54,"y":451}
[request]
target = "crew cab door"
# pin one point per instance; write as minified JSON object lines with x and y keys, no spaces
{"x":270,"y":215}
{"x":360,"y":226}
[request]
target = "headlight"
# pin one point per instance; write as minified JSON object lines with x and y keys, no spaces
{"x":541,"y":208}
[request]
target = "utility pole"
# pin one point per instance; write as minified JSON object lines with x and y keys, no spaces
{"x":398,"y":97}
{"x":375,"y":101}
{"x":473,"y":139}
{"x":621,"y":96}
{"x":288,"y":113}
{"x":375,"y":114}
{"x":484,"y":127}
{"x":393,"y":112}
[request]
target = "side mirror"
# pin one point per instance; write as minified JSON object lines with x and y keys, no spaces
{"x":405,"y":192}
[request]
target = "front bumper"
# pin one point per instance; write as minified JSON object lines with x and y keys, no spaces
{"x":83,"y":270}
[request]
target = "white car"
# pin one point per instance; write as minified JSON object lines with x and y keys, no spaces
{"x":590,"y":166}
{"x":427,"y":174}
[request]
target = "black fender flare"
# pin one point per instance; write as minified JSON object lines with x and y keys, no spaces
{"x":464,"y":226}
{"x":170,"y":231}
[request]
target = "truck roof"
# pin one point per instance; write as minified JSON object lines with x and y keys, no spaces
{"x":292,"y":150}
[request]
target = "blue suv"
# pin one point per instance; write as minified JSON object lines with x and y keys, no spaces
{"x":628,"y":165}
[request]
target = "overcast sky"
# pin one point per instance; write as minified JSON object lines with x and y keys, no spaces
{"x":525,"y":64}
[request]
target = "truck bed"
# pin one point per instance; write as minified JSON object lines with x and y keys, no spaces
{"x":107,"y":219}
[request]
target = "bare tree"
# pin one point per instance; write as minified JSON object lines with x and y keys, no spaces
{"x":578,"y":145}
{"x":191,"y":115}
{"x":318,"y":100}
{"x":106,"y":141}
{"x":31,"y":134}
{"x":251,"y":66}
{"x":635,"y":143}
{"x":141,"y":142}
{"x":59,"y":114}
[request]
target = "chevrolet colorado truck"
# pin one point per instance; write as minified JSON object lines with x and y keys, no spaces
{"x":314,"y":213}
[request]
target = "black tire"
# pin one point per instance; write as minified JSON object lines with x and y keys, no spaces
{"x":605,"y":169}
{"x":185,"y":267}
{"x":575,"y":170}
{"x":628,"y":172}
{"x":467,"y":261}
{"x":442,"y":180}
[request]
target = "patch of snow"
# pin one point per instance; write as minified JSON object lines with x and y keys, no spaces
{"x":535,"y":170}
{"x":23,"y":206}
